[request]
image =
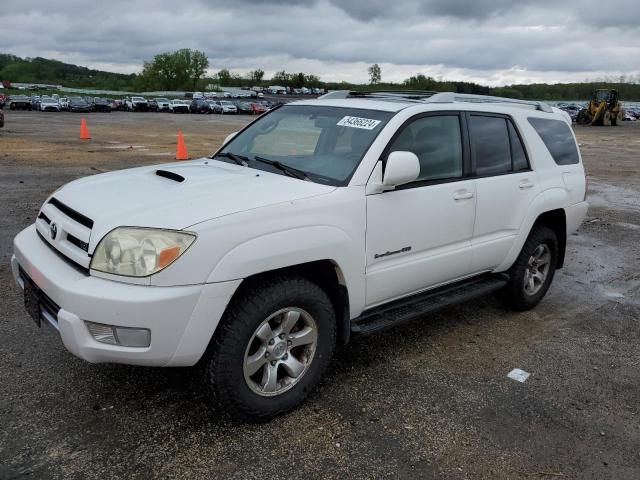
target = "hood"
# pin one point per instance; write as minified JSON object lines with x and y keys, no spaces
{"x":211,"y":189}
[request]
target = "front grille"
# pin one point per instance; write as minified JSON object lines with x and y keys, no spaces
{"x":71,"y":213}
{"x":77,"y":242}
{"x":45,"y":218}
{"x":69,"y":261}
{"x":66,"y":231}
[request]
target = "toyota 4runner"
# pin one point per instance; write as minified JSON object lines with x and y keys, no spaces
{"x":320,"y":220}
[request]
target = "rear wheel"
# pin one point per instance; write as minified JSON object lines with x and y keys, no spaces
{"x":533,"y":271}
{"x":271,"y":348}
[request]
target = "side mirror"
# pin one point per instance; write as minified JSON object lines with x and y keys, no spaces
{"x":401,"y":168}
{"x":229,"y":137}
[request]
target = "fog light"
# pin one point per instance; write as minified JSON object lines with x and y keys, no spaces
{"x":123,"y":336}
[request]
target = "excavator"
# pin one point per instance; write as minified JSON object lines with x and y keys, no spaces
{"x":604,"y":109}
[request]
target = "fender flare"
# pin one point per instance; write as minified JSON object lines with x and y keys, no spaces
{"x":288,"y":248}
{"x":551,"y":199}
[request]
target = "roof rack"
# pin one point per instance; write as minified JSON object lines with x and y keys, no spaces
{"x":405,"y":95}
{"x":449,"y":97}
{"x":425,"y":96}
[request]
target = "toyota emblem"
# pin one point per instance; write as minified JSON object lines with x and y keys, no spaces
{"x":53,"y":230}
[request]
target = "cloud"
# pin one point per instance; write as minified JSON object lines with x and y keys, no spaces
{"x":488,"y":41}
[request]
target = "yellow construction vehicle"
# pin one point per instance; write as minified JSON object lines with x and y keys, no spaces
{"x":604,"y":109}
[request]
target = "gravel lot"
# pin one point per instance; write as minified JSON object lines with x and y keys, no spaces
{"x":427,"y":400}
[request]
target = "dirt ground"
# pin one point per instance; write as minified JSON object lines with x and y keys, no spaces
{"x":426,"y":400}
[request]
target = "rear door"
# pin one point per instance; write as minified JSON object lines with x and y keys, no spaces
{"x":505,"y":185}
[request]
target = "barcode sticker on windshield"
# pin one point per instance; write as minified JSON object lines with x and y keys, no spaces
{"x":358,"y":122}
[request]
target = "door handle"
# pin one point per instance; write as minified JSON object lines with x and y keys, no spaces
{"x":525,"y":184}
{"x":464,"y":195}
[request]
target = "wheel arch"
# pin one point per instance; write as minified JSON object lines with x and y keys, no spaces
{"x":546,"y":210}
{"x":556,"y":220}
{"x":325,"y":273}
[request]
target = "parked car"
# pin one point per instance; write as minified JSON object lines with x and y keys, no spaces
{"x":199,"y":106}
{"x":214,"y":106}
{"x":90,"y":101}
{"x":153,"y":105}
{"x":101,"y":105}
{"x":180,"y":106}
{"x":267,"y":104}
{"x":226,"y":106}
{"x":244,"y":107}
{"x":48,"y":104}
{"x":64,"y":103}
{"x":164,"y":105}
{"x":260,"y":260}
{"x":1,"y":118}
{"x":78,"y":104}
{"x":136,"y":104}
{"x":20,"y":102}
{"x":258,"y":109}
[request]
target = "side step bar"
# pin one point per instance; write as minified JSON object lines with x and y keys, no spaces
{"x":409,"y":308}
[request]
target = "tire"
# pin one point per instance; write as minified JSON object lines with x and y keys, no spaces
{"x":247,"y":396}
{"x":518,"y":294}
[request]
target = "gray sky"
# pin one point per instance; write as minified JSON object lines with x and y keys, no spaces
{"x":493,"y":42}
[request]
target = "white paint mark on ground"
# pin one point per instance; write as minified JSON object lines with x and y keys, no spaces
{"x":518,"y":375}
{"x":614,"y":294}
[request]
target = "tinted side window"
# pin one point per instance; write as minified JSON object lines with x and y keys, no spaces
{"x":557,"y":136}
{"x":517,"y":150}
{"x":437,"y":142}
{"x":490,"y":144}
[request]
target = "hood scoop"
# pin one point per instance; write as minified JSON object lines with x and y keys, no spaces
{"x":170,"y":175}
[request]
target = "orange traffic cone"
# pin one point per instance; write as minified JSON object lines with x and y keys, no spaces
{"x":181,"y":150}
{"x":84,"y":130}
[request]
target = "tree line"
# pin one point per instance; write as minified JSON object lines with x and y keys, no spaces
{"x":187,"y":70}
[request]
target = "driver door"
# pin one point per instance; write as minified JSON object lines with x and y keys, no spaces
{"x":419,"y":235}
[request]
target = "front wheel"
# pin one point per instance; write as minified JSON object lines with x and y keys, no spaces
{"x":532,"y":273}
{"x":272,"y":347}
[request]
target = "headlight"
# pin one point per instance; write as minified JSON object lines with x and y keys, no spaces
{"x":139,"y":252}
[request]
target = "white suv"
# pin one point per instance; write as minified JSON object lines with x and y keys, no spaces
{"x":319,"y":220}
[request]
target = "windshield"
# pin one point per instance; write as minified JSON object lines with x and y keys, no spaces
{"x":326,"y":143}
{"x":137,"y":99}
{"x":164,"y":100}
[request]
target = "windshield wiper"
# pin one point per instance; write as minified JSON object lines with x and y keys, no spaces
{"x":291,"y":171}
{"x":239,"y":159}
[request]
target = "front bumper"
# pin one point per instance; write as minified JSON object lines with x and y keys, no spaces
{"x":182,"y":319}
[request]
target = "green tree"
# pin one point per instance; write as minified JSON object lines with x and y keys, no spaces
{"x":174,"y":70}
{"x":312,"y":80}
{"x":256,"y":75}
{"x":224,"y":77}
{"x":282,"y":77}
{"x":375,"y":74}
{"x":299,"y":80}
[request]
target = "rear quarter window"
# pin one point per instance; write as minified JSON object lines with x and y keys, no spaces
{"x":557,"y":137}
